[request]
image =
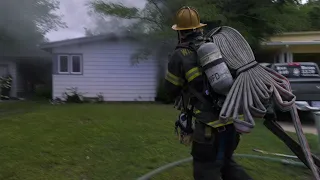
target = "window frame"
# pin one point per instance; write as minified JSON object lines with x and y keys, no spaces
{"x":59,"y":63}
{"x":70,"y":64}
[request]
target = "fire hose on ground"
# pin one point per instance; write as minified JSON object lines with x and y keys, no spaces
{"x":159,"y":170}
{"x":254,"y":88}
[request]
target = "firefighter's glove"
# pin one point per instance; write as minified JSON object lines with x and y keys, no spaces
{"x":183,"y":129}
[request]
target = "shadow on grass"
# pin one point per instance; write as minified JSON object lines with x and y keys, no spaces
{"x":8,"y":108}
{"x":112,"y":141}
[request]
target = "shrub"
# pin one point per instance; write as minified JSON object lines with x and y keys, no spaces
{"x":100,"y":97}
{"x":73,"y":96}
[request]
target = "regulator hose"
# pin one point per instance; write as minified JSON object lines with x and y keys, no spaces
{"x":179,"y":162}
{"x":254,"y":88}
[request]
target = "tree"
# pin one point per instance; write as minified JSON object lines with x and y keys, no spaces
{"x":312,"y":12}
{"x":23,"y":24}
{"x":255,"y":19}
{"x":151,"y":23}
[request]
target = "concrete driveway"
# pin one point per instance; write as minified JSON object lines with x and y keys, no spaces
{"x":307,"y":128}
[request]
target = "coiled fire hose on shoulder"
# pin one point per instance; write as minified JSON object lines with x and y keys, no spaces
{"x":254,"y":88}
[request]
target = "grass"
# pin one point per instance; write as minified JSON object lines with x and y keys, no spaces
{"x":111,"y":141}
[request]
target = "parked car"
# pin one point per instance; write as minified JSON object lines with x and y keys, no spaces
{"x":304,"y":79}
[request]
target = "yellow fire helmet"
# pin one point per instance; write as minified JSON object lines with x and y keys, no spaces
{"x":187,"y":18}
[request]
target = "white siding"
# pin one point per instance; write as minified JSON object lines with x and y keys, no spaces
{"x":12,"y":68}
{"x":107,"y":69}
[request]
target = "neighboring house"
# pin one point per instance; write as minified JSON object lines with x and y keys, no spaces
{"x":102,"y":64}
{"x":292,"y":47}
{"x":19,"y":64}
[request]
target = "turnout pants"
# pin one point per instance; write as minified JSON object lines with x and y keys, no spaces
{"x":212,"y":150}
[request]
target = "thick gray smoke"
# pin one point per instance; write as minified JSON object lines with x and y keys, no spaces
{"x":23,"y":24}
{"x":78,"y":17}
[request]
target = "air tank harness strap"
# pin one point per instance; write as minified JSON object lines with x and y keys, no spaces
{"x":187,"y":45}
{"x":200,"y":97}
{"x":216,"y":124}
{"x":183,"y":45}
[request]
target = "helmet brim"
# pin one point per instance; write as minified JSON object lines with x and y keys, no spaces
{"x":175,"y":27}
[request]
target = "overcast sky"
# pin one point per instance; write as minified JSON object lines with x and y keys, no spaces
{"x":76,"y":16}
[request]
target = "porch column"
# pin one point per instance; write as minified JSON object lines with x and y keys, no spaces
{"x":289,"y":57}
{"x":282,"y":57}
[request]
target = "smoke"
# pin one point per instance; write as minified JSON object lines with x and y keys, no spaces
{"x":23,"y":24}
{"x":78,"y":17}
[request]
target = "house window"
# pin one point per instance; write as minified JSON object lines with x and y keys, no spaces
{"x":76,"y":64}
{"x":63,"y":64}
{"x":69,"y":64}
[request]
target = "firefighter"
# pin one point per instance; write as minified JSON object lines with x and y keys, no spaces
{"x":212,"y":144}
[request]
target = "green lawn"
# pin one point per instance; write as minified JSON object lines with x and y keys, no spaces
{"x":111,"y":141}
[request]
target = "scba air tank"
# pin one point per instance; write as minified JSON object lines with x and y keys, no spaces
{"x":215,"y":68}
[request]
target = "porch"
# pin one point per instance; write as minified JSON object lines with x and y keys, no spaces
{"x":26,"y":73}
{"x":292,"y":47}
